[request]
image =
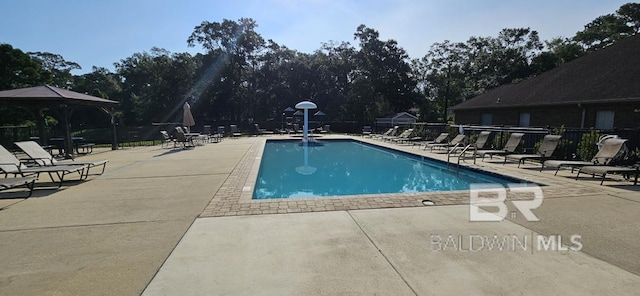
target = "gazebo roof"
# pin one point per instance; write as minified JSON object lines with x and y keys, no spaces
{"x":46,"y":94}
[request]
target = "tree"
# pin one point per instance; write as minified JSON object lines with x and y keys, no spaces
{"x":607,"y":29}
{"x":18,"y":69}
{"x":516,"y":50}
{"x":444,"y":77}
{"x":234,"y":46}
{"x":602,"y":32}
{"x":384,"y":67}
{"x":59,"y":68}
{"x":155,"y":84}
{"x":630,"y":13}
{"x":565,"y":49}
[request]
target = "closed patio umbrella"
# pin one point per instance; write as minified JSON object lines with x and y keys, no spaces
{"x":187,"y":119}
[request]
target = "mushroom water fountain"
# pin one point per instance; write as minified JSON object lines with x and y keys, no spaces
{"x":306,"y":105}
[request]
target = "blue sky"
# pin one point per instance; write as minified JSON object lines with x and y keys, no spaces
{"x":100,"y":33}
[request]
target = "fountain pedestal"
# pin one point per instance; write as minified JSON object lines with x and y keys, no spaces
{"x":306,"y":105}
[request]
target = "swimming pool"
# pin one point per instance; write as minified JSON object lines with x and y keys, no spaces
{"x":291,"y":169}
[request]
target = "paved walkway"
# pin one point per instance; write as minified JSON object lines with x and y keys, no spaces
{"x":150,"y":225}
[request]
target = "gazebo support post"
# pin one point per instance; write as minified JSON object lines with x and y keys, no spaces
{"x":114,"y":133}
{"x":36,"y":112}
{"x":68,"y":142}
{"x":114,"y":129}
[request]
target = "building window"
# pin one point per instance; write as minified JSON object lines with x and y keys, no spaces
{"x":524,"y":119}
{"x":487,"y":119}
{"x":604,"y":120}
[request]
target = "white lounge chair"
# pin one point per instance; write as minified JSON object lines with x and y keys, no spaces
{"x":10,"y":164}
{"x":27,"y":181}
{"x":43,"y":158}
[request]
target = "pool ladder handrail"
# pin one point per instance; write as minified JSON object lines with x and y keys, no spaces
{"x":461,"y":154}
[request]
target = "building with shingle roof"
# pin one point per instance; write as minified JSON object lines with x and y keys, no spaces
{"x":599,"y":90}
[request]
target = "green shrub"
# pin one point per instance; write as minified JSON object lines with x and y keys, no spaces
{"x":587,"y":148}
{"x":499,"y":142}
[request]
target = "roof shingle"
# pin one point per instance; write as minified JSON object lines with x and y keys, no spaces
{"x":607,"y":75}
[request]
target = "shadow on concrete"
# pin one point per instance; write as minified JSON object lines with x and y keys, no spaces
{"x":172,"y":151}
{"x":41,"y":190}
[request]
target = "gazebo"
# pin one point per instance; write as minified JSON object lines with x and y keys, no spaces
{"x":37,"y":98}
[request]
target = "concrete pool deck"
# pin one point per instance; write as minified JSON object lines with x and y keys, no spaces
{"x":152,"y":225}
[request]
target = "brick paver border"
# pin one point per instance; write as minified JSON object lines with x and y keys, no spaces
{"x":234,"y":196}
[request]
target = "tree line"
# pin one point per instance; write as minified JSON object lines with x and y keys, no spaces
{"x":242,"y":77}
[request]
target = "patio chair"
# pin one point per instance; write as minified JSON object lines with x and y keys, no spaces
{"x":183,"y":139}
{"x":42,"y":158}
{"x":10,"y":164}
{"x":325,"y":129}
{"x":455,"y":141}
{"x":220,"y":132}
{"x":206,"y":133}
{"x":610,"y":150}
{"x":510,"y":147}
{"x":209,"y":135}
{"x":28,"y":181}
{"x":548,"y":146}
{"x":166,"y":140}
{"x":603,"y":170}
{"x":235,"y":132}
{"x":366,"y":131}
{"x":438,"y":140}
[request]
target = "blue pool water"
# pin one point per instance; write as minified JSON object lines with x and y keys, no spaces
{"x":290,"y":169}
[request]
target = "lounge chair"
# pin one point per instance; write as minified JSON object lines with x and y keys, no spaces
{"x":480,"y":142}
{"x":548,"y":146}
{"x":510,"y":147}
{"x":10,"y":164}
{"x":610,"y":149}
{"x":406,"y":136}
{"x":387,"y":133}
{"x":261,"y":131}
{"x":44,"y":158}
{"x":403,"y":135}
{"x":27,"y":181}
{"x":411,"y":137}
{"x":603,"y":170}
{"x":392,"y":134}
{"x":455,"y":141}
{"x":438,"y":140}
